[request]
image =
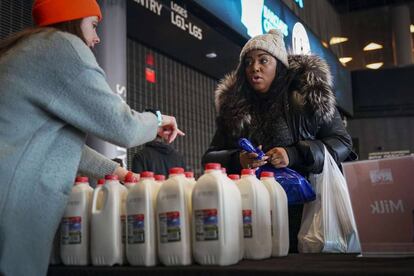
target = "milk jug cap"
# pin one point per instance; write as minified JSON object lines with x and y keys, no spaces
{"x":234,"y":176}
{"x":267,"y":174}
{"x":111,"y":177}
{"x":81,"y":179}
{"x":176,"y":170}
{"x":247,"y":172}
{"x":147,"y":174}
{"x":213,"y":166}
{"x":159,"y":177}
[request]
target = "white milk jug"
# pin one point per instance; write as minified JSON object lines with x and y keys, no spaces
{"x":75,"y":225}
{"x":106,"y":228}
{"x":130,"y":181}
{"x":216,"y":218}
{"x":279,"y":214}
{"x":141,"y":247}
{"x":256,"y":216}
{"x":173,"y":220}
{"x":235,"y":179}
{"x":190,"y":177}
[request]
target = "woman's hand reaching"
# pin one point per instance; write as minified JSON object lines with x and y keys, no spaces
{"x":169,"y":129}
{"x":278,"y":157}
{"x":249,"y":161}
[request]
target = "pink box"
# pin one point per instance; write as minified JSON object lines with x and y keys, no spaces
{"x":382,"y":196}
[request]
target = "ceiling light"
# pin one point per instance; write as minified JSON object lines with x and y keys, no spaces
{"x":412,"y":28}
{"x":344,"y":60}
{"x":375,"y":65}
{"x":325,"y":44}
{"x":372,"y":46}
{"x":211,"y":55}
{"x":337,"y":39}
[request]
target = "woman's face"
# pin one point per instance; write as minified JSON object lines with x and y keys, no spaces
{"x":260,"y":68}
{"x":88,"y":27}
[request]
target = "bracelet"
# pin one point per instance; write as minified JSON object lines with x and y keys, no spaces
{"x":159,"y":117}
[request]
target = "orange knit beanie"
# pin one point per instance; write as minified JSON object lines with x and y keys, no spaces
{"x":48,"y":12}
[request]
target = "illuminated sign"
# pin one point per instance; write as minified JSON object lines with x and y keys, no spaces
{"x":259,"y":18}
{"x":178,"y":15}
{"x":299,"y":3}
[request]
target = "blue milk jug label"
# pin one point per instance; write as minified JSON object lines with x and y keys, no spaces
{"x":136,"y":230}
{"x":206,"y":225}
{"x":71,"y":230}
{"x":170,"y":230}
{"x":247,"y":223}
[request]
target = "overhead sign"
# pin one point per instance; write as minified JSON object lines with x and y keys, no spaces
{"x":177,"y":13}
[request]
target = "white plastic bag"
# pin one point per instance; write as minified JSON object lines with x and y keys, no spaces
{"x":328,"y":223}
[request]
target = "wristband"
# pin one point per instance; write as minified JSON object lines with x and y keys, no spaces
{"x":159,"y":117}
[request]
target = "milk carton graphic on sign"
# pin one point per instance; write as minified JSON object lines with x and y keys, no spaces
{"x":256,"y":216}
{"x":279,"y":214}
{"x":75,"y":225}
{"x":173,"y":220}
{"x":216,"y":218}
{"x":107,"y":247}
{"x":141,"y":247}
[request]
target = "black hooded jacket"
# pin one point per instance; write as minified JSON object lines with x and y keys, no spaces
{"x":309,"y":111}
{"x":157,"y":157}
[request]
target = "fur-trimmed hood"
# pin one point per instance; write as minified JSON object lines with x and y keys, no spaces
{"x":310,"y":91}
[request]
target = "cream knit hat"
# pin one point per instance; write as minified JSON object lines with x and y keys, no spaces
{"x":272,"y":42}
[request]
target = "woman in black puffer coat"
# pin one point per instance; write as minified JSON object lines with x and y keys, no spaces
{"x":284,"y":103}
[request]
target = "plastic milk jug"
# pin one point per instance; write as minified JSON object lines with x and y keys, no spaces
{"x":173,"y":216}
{"x":106,"y":228}
{"x":190,"y":177}
{"x":216,"y":218}
{"x":75,"y":224}
{"x":279,"y":214}
{"x":159,"y":179}
{"x":141,"y":247}
{"x":99,"y":200}
{"x":235,"y":178}
{"x":256,"y":216}
{"x":130,"y":181}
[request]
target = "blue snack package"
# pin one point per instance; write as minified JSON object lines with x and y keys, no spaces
{"x":246,"y":145}
{"x":297,"y":188}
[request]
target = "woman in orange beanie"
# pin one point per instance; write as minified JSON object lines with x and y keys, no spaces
{"x":53,"y":93}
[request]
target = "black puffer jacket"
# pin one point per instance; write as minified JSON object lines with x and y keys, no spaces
{"x":309,"y":111}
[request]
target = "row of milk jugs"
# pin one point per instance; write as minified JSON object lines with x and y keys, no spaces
{"x":216,"y":220}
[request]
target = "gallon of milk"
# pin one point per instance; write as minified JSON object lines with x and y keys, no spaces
{"x":190,"y":177}
{"x":256,"y":216}
{"x":234,"y":180}
{"x":130,"y":181}
{"x":216,"y":218}
{"x":106,"y":228}
{"x":173,"y":220}
{"x":279,"y":215}
{"x":141,"y":247}
{"x":75,"y":225}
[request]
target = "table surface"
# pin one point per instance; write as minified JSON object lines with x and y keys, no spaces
{"x":293,"y":264}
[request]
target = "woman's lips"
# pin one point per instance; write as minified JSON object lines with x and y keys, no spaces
{"x":256,"y":79}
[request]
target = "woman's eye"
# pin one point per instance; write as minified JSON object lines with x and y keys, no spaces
{"x":264,"y":60}
{"x":247,"y":62}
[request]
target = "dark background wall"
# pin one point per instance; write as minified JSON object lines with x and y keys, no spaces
{"x":179,"y":90}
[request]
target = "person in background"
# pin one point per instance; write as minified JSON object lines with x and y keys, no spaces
{"x":286,"y":105}
{"x":157,"y":156}
{"x":53,"y":93}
